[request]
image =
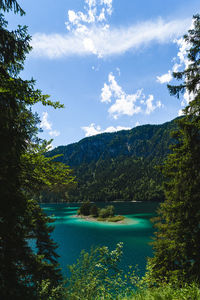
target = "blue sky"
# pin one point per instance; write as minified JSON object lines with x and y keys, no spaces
{"x":108,"y":61}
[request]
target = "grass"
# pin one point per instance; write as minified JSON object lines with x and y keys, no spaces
{"x":115,"y":219}
{"x":111,"y":219}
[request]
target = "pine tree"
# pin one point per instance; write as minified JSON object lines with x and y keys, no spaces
{"x":23,"y":270}
{"x":177,"y":240}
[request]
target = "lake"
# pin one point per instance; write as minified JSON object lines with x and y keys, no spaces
{"x":74,"y":234}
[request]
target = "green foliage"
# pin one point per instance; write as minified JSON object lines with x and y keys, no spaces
{"x":168,"y":292}
{"x":85,"y":208}
{"x":22,"y":173}
{"x":46,"y":292}
{"x":7,"y":5}
{"x":43,"y":174}
{"x":96,"y":275}
{"x":177,"y":240}
{"x":94,"y":211}
{"x":118,"y":166}
{"x":102,"y":214}
{"x":190,"y":76}
{"x":106,"y":212}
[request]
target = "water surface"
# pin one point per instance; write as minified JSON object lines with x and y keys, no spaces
{"x":74,"y":234}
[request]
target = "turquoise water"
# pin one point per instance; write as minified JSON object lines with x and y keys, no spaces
{"x":74,"y":234}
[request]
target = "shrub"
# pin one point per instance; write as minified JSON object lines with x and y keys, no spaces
{"x":85,"y":208}
{"x":96,"y":275}
{"x":94,"y":211}
{"x":106,"y":212}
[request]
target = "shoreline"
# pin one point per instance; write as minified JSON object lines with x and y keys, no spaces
{"x":107,"y":202}
{"x":92,"y":219}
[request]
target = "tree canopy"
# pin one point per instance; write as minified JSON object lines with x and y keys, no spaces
{"x":177,"y":241}
{"x":23,"y":170}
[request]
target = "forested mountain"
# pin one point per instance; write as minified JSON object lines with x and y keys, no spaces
{"x":118,"y":166}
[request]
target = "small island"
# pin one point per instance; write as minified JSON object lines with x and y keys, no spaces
{"x":90,"y":211}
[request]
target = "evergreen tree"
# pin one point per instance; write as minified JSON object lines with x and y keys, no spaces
{"x":22,"y":269}
{"x":177,"y":240}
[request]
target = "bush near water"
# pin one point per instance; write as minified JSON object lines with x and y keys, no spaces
{"x":96,"y":275}
{"x":102,"y":214}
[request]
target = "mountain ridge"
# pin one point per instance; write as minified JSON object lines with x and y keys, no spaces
{"x":119,"y":165}
{"x":85,"y":143}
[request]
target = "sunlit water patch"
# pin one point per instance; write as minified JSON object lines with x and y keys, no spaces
{"x":74,"y":234}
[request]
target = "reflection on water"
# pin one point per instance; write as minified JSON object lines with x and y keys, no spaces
{"x":74,"y":234}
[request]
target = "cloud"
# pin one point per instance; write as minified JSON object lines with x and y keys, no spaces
{"x":106,"y":93}
{"x":187,"y":97}
{"x":92,"y":129}
{"x":95,"y":11}
{"x":150,"y":107}
{"x":165,"y":78}
{"x":180,"y":61}
{"x":182,"y":53}
{"x":184,"y":64}
{"x":88,"y":36}
{"x":46,"y":125}
{"x":54,"y":133}
{"x":180,"y":113}
{"x":126,"y":104}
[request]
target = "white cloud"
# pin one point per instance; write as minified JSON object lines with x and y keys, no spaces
{"x":126,"y":105}
{"x":106,"y":93}
{"x":54,"y":133}
{"x":137,"y":124}
{"x":97,"y":38}
{"x":95,"y":11}
{"x":89,"y":45}
{"x":180,"y":112}
{"x":182,"y":53}
{"x":72,"y":16}
{"x":108,"y":3}
{"x":114,"y":87}
{"x":184,"y":63}
{"x":165,"y":78}
{"x":150,"y":106}
{"x":187,"y":97}
{"x":46,"y":125}
{"x":92,"y":129}
{"x":181,"y":62}
{"x":123,"y":103}
{"x":176,"y":67}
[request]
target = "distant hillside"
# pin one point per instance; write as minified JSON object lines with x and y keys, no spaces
{"x":118,"y":166}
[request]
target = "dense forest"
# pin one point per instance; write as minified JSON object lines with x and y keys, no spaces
{"x":121,"y":166}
